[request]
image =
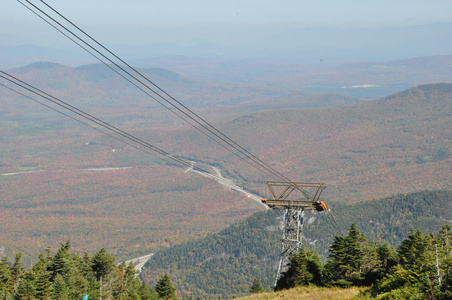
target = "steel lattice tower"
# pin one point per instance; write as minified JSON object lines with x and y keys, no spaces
{"x":304,"y":196}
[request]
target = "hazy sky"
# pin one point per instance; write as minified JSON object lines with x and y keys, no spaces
{"x":153,"y":21}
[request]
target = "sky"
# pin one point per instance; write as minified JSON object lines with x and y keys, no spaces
{"x":138,"y":22}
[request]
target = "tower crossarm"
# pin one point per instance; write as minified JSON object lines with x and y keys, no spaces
{"x":281,"y":190}
{"x":275,"y":203}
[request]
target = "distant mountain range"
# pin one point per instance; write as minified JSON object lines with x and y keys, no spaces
{"x":368,"y":80}
{"x":97,"y":85}
{"x":363,"y":80}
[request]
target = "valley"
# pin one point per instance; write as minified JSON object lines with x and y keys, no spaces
{"x":137,"y":204}
{"x":61,"y":180}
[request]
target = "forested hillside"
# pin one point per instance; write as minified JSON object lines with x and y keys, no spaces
{"x":70,"y":182}
{"x":420,"y":267}
{"x":227,"y":262}
{"x":393,"y":145}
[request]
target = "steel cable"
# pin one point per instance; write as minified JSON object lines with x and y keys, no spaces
{"x":263,"y":167}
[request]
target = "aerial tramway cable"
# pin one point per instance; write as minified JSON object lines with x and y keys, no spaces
{"x":166,"y":100}
{"x":180,"y":111}
{"x":77,"y":120}
{"x":130,"y":140}
{"x":207,"y":129}
{"x":87,"y":116}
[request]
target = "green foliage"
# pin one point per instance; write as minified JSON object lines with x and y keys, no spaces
{"x":6,"y":280}
{"x":42,"y":276}
{"x":146,"y":292}
{"x":256,"y":287}
{"x":355,"y":261}
{"x":102,"y":263}
{"x":406,"y":292}
{"x":415,"y":251}
{"x":17,"y":268}
{"x":419,"y":269}
{"x":304,"y":268}
{"x":384,"y":220}
{"x":67,"y":276}
{"x":347,"y":256}
{"x":386,"y":258}
{"x":410,"y":271}
{"x":223,"y":264}
{"x":423,"y":260}
{"x":165,"y":288}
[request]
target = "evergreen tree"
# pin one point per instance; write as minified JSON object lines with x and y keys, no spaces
{"x":256,"y":287}
{"x":67,"y":276}
{"x":351,"y":258}
{"x":26,"y":288}
{"x":93,"y":286}
{"x":60,"y":262}
{"x":102,"y":263}
{"x":165,"y":288}
{"x":146,"y":292}
{"x":304,"y":268}
{"x":415,"y":276}
{"x":445,"y":237}
{"x":42,"y":283}
{"x":17,"y":269}
{"x":444,"y":248}
{"x":415,"y":250}
{"x":60,"y":288}
{"x":386,"y":258}
{"x":127,"y":284}
{"x":446,"y":280}
{"x":6,"y":279}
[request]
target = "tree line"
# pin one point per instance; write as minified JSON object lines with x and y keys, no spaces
{"x":419,"y":268}
{"x":225,"y":263}
{"x":70,"y":276}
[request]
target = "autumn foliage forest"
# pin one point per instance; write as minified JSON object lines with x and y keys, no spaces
{"x":61,"y":180}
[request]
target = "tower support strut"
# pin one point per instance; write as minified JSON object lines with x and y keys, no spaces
{"x":294,"y":198}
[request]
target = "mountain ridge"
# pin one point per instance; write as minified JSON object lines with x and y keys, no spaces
{"x":347,"y":146}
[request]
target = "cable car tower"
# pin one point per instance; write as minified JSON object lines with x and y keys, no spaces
{"x":303,"y":196}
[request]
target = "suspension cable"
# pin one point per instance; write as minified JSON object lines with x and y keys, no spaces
{"x":263,"y":167}
{"x":207,"y":129}
{"x":89,"y":117}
